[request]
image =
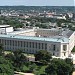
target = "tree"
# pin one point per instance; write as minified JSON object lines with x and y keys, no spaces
{"x":6,"y":67}
{"x":51,"y":69}
{"x":70,"y":62}
{"x":43,"y":56}
{"x":59,"y":67}
{"x":73,"y":50}
{"x":64,"y":69}
{"x":32,"y":67}
{"x":10,"y":57}
{"x":59,"y":24}
{"x":19,"y":59}
{"x":1,"y":50}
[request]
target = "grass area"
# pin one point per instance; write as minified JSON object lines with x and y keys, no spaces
{"x":25,"y":68}
{"x":37,"y":71}
{"x":26,"y":54}
{"x":32,"y":55}
{"x":42,"y":70}
{"x":7,"y":52}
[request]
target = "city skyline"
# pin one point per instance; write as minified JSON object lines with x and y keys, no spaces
{"x":37,"y":2}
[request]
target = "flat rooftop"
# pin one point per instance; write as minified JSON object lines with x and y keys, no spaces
{"x":62,"y":37}
{"x":61,"y":32}
{"x":4,"y":26}
{"x":67,"y":33}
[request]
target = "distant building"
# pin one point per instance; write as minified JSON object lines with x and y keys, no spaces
{"x":59,"y":16}
{"x":70,"y":15}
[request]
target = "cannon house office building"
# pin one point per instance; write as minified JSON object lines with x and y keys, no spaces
{"x":59,"y":42}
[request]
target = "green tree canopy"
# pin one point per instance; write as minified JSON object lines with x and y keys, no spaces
{"x":51,"y":69}
{"x":17,"y":59}
{"x":1,"y":50}
{"x":59,"y":67}
{"x":6,"y":67}
{"x":43,"y":56}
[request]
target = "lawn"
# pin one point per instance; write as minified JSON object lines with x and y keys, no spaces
{"x":42,"y":70}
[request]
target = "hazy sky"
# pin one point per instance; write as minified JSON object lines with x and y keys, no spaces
{"x":38,"y":2}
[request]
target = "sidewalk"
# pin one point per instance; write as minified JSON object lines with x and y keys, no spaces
{"x":21,"y":73}
{"x":73,"y":73}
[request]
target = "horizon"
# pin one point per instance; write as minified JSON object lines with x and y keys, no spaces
{"x":39,"y":6}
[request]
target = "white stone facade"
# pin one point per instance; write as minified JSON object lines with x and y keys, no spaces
{"x":59,"y":45}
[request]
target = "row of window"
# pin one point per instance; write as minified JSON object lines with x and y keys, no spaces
{"x":24,"y":44}
{"x":24,"y":49}
{"x":56,"y":48}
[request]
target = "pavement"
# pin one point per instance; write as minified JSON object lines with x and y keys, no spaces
{"x":73,"y":73}
{"x":21,"y":73}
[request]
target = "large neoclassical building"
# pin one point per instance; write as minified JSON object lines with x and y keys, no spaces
{"x":59,"y":42}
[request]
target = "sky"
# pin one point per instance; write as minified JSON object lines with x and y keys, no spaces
{"x":37,"y":2}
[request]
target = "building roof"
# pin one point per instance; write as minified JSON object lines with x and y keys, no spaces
{"x":4,"y":26}
{"x":61,"y":40}
{"x":69,"y":33}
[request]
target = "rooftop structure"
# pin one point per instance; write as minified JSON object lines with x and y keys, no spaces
{"x":4,"y":26}
{"x":4,"y":29}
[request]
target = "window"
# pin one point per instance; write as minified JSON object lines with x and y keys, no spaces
{"x":45,"y":46}
{"x":0,"y":40}
{"x":8,"y":43}
{"x":54,"y":47}
{"x":15,"y":43}
{"x":11,"y":42}
{"x":64,"y":47}
{"x":21,"y":43}
{"x":64,"y":54}
{"x":39,"y":45}
{"x":42,"y":45}
{"x":26,"y":44}
{"x":33,"y":44}
{"x":5,"y":42}
{"x":36,"y":44}
{"x":30,"y":44}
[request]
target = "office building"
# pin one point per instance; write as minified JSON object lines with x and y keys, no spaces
{"x":59,"y":42}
